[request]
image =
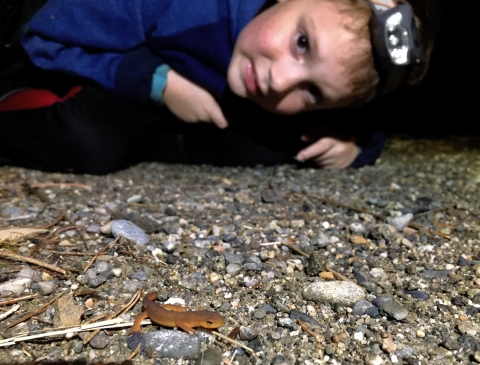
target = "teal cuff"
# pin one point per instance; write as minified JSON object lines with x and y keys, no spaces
{"x":159,"y":81}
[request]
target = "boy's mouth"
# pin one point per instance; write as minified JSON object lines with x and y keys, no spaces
{"x":251,"y":80}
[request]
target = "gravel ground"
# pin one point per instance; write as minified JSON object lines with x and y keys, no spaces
{"x":370,"y":266}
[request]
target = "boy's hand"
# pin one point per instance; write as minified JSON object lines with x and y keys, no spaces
{"x":190,"y":102}
{"x":329,"y":152}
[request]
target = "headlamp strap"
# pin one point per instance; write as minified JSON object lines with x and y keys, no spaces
{"x":381,"y":6}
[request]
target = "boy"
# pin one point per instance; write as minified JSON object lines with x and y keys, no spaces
{"x":197,"y":59}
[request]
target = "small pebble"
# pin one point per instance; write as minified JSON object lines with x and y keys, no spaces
{"x":130,"y":231}
{"x":335,"y":292}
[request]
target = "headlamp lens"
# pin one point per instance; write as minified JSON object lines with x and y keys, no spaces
{"x":398,"y":42}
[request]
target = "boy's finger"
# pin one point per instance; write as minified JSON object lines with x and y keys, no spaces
{"x":316,"y":149}
{"x":219,"y":119}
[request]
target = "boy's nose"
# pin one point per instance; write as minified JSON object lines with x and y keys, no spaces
{"x":284,"y":76}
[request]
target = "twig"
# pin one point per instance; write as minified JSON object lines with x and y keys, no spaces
{"x":51,"y":224}
{"x":297,"y":250}
{"x":302,"y":325}
{"x":134,"y":353}
{"x":102,"y":250}
{"x":64,"y":229}
{"x":233,"y":357}
{"x":82,"y":237}
{"x":270,"y":243}
{"x":10,"y":311}
{"x":27,"y":351}
{"x":125,"y":308}
{"x":14,"y":256}
{"x":20,"y":299}
{"x":72,"y":253}
{"x":340,"y":276}
{"x":239,"y":344}
{"x":113,"y":323}
{"x":42,"y":309}
{"x":97,"y":318}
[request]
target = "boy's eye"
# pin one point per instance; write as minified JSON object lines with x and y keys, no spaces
{"x":302,"y":42}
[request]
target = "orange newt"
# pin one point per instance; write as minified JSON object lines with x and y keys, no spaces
{"x":175,"y":316}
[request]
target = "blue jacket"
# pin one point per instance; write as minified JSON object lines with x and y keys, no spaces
{"x":120,"y":44}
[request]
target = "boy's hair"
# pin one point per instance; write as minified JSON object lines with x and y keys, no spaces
{"x":365,"y":77}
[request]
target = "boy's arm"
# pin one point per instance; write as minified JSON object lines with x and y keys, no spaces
{"x":100,"y":40}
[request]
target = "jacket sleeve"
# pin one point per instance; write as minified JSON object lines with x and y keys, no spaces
{"x":371,"y":146}
{"x":104,"y":41}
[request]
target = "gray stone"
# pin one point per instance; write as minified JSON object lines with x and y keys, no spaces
{"x":320,"y":239}
{"x":233,"y":269}
{"x":280,"y":360}
{"x":390,"y":307}
{"x":436,"y":274}
{"x":100,"y":340}
{"x":418,"y":294}
{"x":288,"y":323}
{"x":77,"y":346}
{"x":316,"y":263}
{"x":46,"y":287}
{"x":400,"y":222}
{"x":294,"y":314}
{"x":247,"y":333}
{"x":170,"y":246}
{"x":336,"y":292}
{"x":253,"y":263}
{"x":361,"y":277}
{"x":259,"y":313}
{"x":131,"y":286}
{"x":139,"y":275}
{"x":360,"y":307}
{"x":28,"y":273}
{"x":173,"y":344}
{"x":211,"y":356}
{"x":406,"y":352}
{"x":130,"y":231}
{"x":104,"y":269}
{"x":16,"y":286}
{"x":233,"y":258}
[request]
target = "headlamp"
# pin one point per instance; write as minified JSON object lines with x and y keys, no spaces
{"x":394,"y":41}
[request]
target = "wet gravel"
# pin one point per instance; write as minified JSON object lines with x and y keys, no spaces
{"x":369,"y":266}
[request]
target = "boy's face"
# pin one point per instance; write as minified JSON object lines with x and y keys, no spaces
{"x":294,"y":57}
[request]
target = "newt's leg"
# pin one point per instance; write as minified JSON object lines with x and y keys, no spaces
{"x":138,"y":321}
{"x":185,"y":327}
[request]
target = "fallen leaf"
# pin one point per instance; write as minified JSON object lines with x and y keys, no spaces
{"x":14,"y":234}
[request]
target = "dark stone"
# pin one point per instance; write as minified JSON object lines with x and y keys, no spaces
{"x":468,"y":343}
{"x":460,"y":301}
{"x":372,"y":312}
{"x":361,"y":277}
{"x":294,"y":314}
{"x":418,"y":294}
{"x":436,"y":274}
{"x":316,"y":263}
{"x":280,"y":360}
